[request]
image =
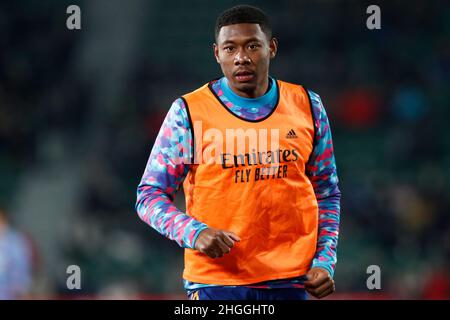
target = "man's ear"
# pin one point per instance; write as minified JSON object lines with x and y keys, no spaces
{"x":273,"y":47}
{"x":216,"y":52}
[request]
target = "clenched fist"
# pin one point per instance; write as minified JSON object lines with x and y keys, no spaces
{"x":215,"y":242}
{"x":319,"y":284}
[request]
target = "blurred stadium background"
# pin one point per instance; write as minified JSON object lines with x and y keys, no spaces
{"x":79,"y":112}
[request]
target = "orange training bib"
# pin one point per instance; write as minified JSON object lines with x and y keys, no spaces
{"x":249,"y":177}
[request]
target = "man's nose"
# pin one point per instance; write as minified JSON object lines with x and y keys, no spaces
{"x":241,"y":57}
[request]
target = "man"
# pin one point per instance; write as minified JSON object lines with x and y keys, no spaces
{"x":260,"y":223}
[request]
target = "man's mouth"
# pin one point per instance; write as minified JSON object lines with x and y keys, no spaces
{"x":244,"y":76}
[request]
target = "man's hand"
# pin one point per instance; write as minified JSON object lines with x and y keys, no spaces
{"x":215,"y":242}
{"x":319,"y":283}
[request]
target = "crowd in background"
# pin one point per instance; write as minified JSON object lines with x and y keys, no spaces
{"x":79,"y":112}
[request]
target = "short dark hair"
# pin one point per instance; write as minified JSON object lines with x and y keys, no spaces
{"x":244,"y":14}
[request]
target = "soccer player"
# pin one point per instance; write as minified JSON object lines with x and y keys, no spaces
{"x":259,"y":224}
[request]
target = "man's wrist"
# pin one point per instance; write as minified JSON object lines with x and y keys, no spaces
{"x":326,"y":267}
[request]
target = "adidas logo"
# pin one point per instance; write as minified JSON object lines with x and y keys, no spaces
{"x":291,"y":134}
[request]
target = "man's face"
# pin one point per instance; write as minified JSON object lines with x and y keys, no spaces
{"x":244,"y":52}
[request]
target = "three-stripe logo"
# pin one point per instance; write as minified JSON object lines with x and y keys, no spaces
{"x":291,"y":134}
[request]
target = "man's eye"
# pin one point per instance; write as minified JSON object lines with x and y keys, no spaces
{"x":228,"y":49}
{"x":253,"y":46}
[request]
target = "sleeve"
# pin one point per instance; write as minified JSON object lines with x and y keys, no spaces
{"x":166,"y":169}
{"x":321,"y":170}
